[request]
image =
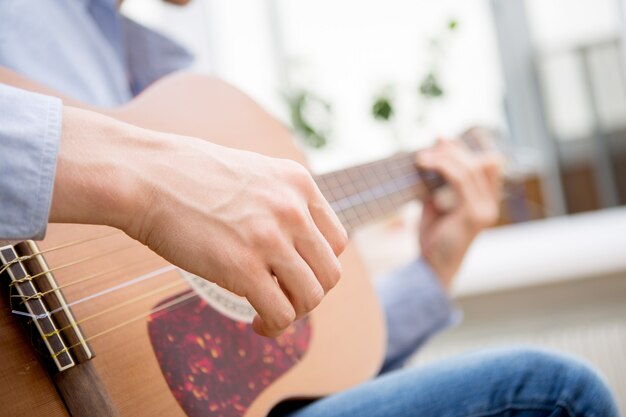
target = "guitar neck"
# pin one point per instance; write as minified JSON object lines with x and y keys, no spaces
{"x":367,"y":192}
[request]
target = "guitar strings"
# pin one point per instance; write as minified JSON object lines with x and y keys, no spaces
{"x":386,"y":165}
{"x":78,"y":281}
{"x":139,"y":279}
{"x":375,"y":193}
{"x":400,"y":158}
{"x":55,"y":248}
{"x":341,"y":185}
{"x":176,"y":302}
{"x":119,"y":305}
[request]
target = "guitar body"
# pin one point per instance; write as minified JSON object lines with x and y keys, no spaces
{"x":162,"y":346}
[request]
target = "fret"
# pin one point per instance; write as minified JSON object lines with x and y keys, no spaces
{"x":356,"y":179}
{"x":363,"y":193}
{"x":382,"y":205}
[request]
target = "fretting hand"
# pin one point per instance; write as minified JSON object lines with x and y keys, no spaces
{"x":255,"y":225}
{"x":447,"y":232}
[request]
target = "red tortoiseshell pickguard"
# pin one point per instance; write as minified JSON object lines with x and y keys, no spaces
{"x":214,"y":365}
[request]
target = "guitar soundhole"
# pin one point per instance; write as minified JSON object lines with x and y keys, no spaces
{"x":217,"y":366}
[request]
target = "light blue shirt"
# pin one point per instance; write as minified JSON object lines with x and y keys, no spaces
{"x":86,"y":50}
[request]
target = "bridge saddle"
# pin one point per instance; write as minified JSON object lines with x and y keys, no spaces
{"x":35,"y":294}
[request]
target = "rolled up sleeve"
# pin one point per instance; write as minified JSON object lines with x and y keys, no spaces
{"x":416,"y":307}
{"x":30,"y":133}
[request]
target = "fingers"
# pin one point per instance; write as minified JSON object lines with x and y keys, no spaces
{"x":318,"y":254}
{"x":327,"y":222}
{"x":298,"y":282}
{"x":305,"y":268}
{"x":455,"y":165}
{"x":300,"y":250}
{"x":303,"y":272}
{"x":272,"y":305}
{"x":475,"y":177}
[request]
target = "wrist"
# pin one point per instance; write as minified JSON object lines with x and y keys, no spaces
{"x":98,"y":178}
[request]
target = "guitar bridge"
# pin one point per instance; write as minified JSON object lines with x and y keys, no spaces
{"x":36,"y":294}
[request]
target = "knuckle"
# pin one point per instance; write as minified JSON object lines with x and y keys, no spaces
{"x":265,"y":236}
{"x":301,"y":176}
{"x":291,"y":213}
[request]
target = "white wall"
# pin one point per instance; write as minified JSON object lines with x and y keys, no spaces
{"x":565,"y":23}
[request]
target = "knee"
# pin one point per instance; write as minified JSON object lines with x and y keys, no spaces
{"x":570,"y":382}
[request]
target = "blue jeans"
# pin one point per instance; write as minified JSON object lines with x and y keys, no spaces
{"x":516,"y":382}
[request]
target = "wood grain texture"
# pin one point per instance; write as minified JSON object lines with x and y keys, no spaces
{"x":26,"y":388}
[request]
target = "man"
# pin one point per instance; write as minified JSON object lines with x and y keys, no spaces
{"x":86,"y":50}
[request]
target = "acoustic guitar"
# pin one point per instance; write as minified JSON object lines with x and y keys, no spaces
{"x":92,"y":323}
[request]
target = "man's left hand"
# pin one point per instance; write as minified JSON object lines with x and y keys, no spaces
{"x":447,"y":232}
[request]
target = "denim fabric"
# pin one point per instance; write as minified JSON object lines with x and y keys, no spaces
{"x":518,"y":382}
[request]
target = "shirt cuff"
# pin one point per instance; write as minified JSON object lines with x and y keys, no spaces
{"x":416,"y":307}
{"x":30,"y":133}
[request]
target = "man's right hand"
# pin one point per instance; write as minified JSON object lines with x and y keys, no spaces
{"x":254,"y":225}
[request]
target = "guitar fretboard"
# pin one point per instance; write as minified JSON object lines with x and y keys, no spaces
{"x":366,"y":192}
